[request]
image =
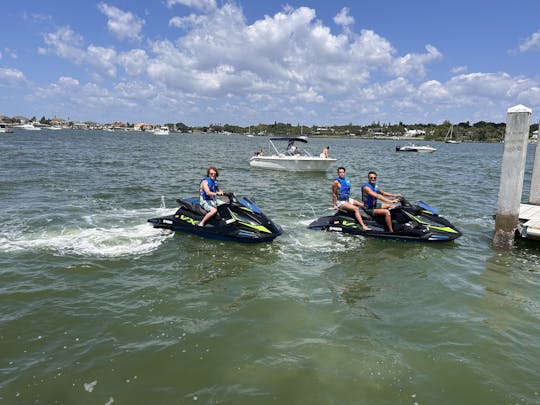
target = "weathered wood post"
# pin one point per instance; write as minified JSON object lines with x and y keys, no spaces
{"x":512,"y":173}
{"x":534,"y":194}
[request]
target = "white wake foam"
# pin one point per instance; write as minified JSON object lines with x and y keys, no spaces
{"x":114,"y":233}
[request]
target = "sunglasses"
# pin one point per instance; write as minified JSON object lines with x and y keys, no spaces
{"x":373,"y":178}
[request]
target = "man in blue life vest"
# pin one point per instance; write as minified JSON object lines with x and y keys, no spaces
{"x":371,"y":193}
{"x":341,"y":199}
{"x":208,"y":190}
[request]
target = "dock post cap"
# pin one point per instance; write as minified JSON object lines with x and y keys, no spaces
{"x":519,"y":108}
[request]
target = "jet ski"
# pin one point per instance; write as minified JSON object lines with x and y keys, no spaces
{"x":411,"y":222}
{"x":239,"y":220}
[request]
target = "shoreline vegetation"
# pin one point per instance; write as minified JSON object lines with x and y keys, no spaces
{"x":463,"y":132}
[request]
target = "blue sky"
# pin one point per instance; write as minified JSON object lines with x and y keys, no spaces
{"x":246,"y":62}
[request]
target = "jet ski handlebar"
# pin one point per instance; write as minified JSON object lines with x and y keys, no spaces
{"x":232,"y":198}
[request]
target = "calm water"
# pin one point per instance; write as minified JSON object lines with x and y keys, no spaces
{"x":100,"y":308}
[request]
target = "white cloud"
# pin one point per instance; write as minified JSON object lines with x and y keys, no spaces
{"x":134,"y":61}
{"x":459,"y":70}
{"x":65,"y":43}
{"x":203,"y":5}
{"x":414,"y":64}
{"x":11,"y":77}
{"x":371,"y":51}
{"x":531,"y":43}
{"x":124,"y":25}
{"x":103,"y":58}
{"x":343,"y":17}
{"x":188,"y":21}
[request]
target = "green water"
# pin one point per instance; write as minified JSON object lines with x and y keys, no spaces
{"x":100,"y":308}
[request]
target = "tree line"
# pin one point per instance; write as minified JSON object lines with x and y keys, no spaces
{"x":480,"y":131}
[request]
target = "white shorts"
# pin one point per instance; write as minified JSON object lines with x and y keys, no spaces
{"x":209,"y":204}
{"x":340,"y":203}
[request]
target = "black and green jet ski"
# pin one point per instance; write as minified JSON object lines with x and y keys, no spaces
{"x":239,"y":219}
{"x":411,"y":222}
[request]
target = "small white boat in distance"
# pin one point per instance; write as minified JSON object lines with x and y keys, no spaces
{"x":4,"y":129}
{"x":163,"y":130}
{"x":291,"y":159}
{"x":28,"y":127}
{"x":416,"y":148}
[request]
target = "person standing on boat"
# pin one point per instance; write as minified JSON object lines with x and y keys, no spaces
{"x":341,"y":197}
{"x":292,"y":149}
{"x":209,"y":190}
{"x":324,"y":153}
{"x":371,"y":194}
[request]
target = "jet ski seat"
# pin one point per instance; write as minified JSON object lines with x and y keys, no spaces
{"x":363,"y":213}
{"x":192,"y":205}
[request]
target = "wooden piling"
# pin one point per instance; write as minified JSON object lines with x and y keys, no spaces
{"x":534,"y":194}
{"x":512,"y":173}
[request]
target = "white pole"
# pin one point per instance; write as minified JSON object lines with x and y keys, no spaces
{"x":512,"y":173}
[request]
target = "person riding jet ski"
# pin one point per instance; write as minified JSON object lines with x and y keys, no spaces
{"x":410,"y":222}
{"x":237,"y":219}
{"x":371,"y":194}
{"x":208,"y":190}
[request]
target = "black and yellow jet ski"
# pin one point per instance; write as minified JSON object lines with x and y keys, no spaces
{"x":411,"y":222}
{"x":238,"y":220}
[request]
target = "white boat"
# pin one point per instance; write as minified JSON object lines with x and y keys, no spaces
{"x":28,"y":127}
{"x":449,"y":135}
{"x":416,"y":148}
{"x":4,"y":129}
{"x":163,"y":130}
{"x":292,"y":159}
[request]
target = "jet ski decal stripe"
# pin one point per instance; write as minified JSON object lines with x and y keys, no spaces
{"x":351,"y":224}
{"x":429,"y":226}
{"x":259,"y":228}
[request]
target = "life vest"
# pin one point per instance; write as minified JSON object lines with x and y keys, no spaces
{"x":345,"y":190}
{"x":212,"y":185}
{"x":369,"y":201}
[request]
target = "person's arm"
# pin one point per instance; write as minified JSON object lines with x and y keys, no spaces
{"x":388,"y":194}
{"x":379,"y":196}
{"x":206,"y":189}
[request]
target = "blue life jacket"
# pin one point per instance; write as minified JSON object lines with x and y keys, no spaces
{"x":369,"y":201}
{"x":212,"y":185}
{"x":345,"y":190}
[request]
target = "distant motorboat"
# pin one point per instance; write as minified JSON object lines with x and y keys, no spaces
{"x":163,"y":130}
{"x":292,"y":159}
{"x":4,"y":129}
{"x":28,"y":127}
{"x":416,"y":148}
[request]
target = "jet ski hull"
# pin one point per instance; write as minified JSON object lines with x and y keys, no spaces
{"x":239,"y":221}
{"x":411,"y":223}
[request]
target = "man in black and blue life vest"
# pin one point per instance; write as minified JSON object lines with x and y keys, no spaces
{"x":341,"y":197}
{"x":208,"y":191}
{"x":371,"y":194}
